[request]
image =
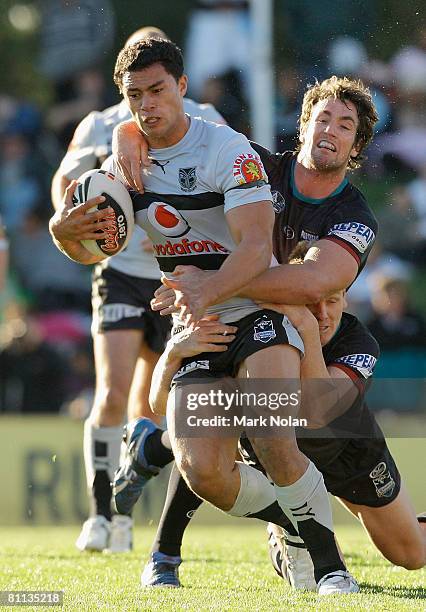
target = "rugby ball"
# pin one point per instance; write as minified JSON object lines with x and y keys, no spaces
{"x":122,"y":220}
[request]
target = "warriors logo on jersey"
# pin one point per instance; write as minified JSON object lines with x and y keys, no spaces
{"x":187,"y":179}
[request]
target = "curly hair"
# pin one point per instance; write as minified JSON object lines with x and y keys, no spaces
{"x":145,"y":53}
{"x":344,"y":89}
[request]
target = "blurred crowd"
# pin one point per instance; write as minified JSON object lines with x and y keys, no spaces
{"x":45,"y":310}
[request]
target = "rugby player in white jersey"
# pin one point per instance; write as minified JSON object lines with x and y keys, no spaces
{"x":218,"y":182}
{"x":127,"y":336}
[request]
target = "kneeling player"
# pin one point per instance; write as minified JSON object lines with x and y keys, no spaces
{"x":360,"y":470}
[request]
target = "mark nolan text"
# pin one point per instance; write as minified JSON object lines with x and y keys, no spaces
{"x":272,"y":420}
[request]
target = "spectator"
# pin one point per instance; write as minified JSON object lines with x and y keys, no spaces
{"x":381,"y":263}
{"x":90,"y":93}
{"x":395,"y":323}
{"x":21,"y":186}
{"x":74,"y":37}
{"x":401,"y":333}
{"x":399,"y":226}
{"x":218,"y":41}
{"x":52,"y":281}
{"x":32,"y":373}
{"x":417,"y":191}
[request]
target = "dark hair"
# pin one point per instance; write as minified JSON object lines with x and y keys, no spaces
{"x":298,"y":254}
{"x":145,"y":53}
{"x":344,"y":89}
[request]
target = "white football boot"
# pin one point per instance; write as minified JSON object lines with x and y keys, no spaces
{"x":121,"y":538}
{"x":94,"y":534}
{"x":339,"y":582}
{"x":294,"y":560}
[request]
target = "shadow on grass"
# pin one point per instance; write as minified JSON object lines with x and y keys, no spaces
{"x":393,"y":591}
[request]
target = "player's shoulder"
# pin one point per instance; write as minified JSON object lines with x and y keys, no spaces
{"x":353,"y":332}
{"x":353,"y":348}
{"x":350,"y":215}
{"x":220,"y":141}
{"x":114,"y":114}
{"x":206,"y":111}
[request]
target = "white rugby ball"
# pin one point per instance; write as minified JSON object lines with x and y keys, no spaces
{"x":122,"y":220}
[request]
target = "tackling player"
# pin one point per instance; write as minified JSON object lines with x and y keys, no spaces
{"x":127,"y":336}
{"x":204,"y":172}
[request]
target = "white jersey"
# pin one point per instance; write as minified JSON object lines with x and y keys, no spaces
{"x":91,"y":144}
{"x":188,"y":189}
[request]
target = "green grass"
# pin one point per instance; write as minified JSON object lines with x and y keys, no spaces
{"x":226,"y":568}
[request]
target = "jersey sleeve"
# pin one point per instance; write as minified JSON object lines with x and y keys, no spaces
{"x":240,"y":174}
{"x":354,"y":227}
{"x":356,"y":356}
{"x":81,"y":155}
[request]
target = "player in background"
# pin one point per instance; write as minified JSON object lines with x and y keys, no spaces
{"x":127,"y":335}
{"x":313,"y":200}
{"x":211,"y":172}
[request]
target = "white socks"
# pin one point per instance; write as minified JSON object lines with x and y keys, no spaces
{"x":306,"y":498}
{"x":101,"y":450}
{"x":256,"y":492}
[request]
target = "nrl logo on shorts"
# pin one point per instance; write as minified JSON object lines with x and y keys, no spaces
{"x":264,"y":330}
{"x":187,"y":178}
{"x":382,"y":480}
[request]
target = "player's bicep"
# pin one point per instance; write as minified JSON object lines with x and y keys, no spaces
{"x":253,"y":222}
{"x":337,"y":268}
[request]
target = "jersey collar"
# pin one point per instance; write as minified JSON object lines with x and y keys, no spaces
{"x":303,"y":198}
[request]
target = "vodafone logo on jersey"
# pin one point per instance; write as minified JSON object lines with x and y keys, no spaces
{"x":167,"y":220}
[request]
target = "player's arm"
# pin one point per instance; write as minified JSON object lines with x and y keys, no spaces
{"x":251,"y":228}
{"x":70,"y":224}
{"x":327,"y":268}
{"x":209,"y":335}
{"x":79,"y":158}
{"x":327,"y":392}
{"x":60,"y":183}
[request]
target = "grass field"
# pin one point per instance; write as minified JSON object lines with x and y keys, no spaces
{"x":226,"y":568}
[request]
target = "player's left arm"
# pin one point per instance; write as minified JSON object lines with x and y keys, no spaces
{"x":210,"y":335}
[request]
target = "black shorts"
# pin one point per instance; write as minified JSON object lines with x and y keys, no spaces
{"x":256,"y":331}
{"x":120,"y":301}
{"x":364,"y":472}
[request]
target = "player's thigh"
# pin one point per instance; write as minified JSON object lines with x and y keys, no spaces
{"x":394,"y":529}
{"x":198,"y":455}
{"x":281,"y":361}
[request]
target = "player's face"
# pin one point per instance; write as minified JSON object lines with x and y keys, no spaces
{"x":155,"y":101}
{"x":328,"y":313}
{"x":329,"y":137}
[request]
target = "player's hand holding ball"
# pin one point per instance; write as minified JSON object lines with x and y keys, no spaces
{"x":96,"y":218}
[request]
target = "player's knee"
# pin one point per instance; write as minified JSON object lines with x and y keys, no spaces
{"x":409,"y":556}
{"x":110,"y":406}
{"x":202,"y":476}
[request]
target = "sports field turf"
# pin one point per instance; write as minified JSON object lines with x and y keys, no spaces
{"x":226,"y":568}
